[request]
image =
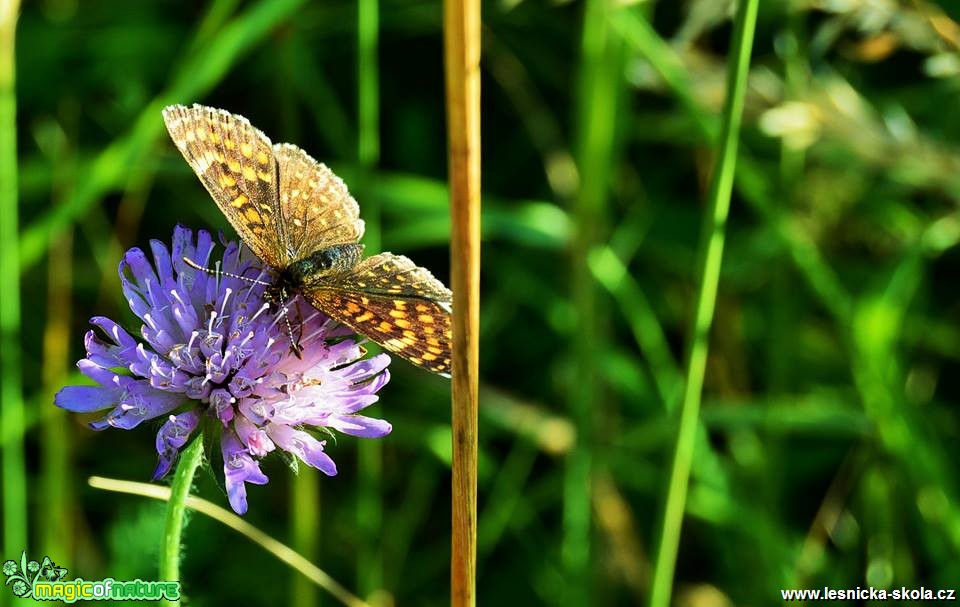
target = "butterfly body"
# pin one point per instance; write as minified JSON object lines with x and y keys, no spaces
{"x":299,"y":218}
{"x":321,"y":265}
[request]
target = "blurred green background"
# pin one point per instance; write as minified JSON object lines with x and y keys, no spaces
{"x":828,"y":442}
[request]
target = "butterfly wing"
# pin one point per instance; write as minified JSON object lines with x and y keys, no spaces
{"x":318,"y":209}
{"x":236,"y":164}
{"x":395,"y":303}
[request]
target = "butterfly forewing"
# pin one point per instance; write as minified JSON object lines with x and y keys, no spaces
{"x":236,"y":164}
{"x":395,"y":303}
{"x":318,"y":209}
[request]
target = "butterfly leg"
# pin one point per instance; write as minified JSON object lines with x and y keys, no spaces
{"x":301,"y":323}
{"x":278,"y":297}
{"x":295,"y":346}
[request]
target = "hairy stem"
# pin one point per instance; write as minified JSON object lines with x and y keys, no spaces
{"x":182,"y":481}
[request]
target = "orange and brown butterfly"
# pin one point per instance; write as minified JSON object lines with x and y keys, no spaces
{"x":299,"y":219}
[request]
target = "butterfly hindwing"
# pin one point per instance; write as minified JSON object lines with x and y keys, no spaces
{"x":390,"y":274}
{"x":318,"y":209}
{"x":395,"y":303}
{"x":236,"y":164}
{"x":415,"y":329}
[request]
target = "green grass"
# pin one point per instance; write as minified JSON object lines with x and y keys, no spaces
{"x":57,"y":533}
{"x":599,"y":88}
{"x":711,"y":258}
{"x":305,"y":516}
{"x":11,"y":391}
{"x":369,"y":562}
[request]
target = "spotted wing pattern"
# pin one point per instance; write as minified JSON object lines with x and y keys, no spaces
{"x":285,"y":206}
{"x":318,"y":209}
{"x":236,"y":164}
{"x":395,"y":303}
{"x":389,"y":274}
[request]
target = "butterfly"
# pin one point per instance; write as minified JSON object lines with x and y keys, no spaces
{"x":50,"y":571}
{"x":297,"y":216}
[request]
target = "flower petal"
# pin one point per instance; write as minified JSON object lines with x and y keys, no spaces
{"x":238,"y":469}
{"x":113,"y":353}
{"x":84,"y":399}
{"x":221,"y":402}
{"x":144,"y":277}
{"x":173,"y":435}
{"x":367,"y":368}
{"x":253,"y":436}
{"x":105,"y":377}
{"x":139,"y":402}
{"x":304,"y":446}
{"x":162,"y":262}
{"x":359,"y":425}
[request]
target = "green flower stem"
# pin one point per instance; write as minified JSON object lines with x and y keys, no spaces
{"x":11,"y":393}
{"x":711,"y":252}
{"x":182,"y":481}
{"x":305,"y":531}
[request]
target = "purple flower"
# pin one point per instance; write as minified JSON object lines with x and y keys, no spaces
{"x":215,"y":356}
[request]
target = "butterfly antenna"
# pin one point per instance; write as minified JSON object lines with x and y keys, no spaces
{"x":219,"y":272}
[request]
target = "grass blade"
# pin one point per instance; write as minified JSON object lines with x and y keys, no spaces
{"x":11,"y":387}
{"x":711,"y":252}
{"x":369,"y":453}
{"x":305,"y":530}
{"x":277,"y":549}
{"x":57,"y":470}
{"x":598,"y":92}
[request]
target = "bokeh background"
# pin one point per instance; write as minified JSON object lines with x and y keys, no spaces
{"x":828,"y":444}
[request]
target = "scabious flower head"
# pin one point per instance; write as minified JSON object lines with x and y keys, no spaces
{"x":214,"y":354}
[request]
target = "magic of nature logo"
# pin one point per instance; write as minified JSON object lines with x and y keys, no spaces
{"x":44,"y":581}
